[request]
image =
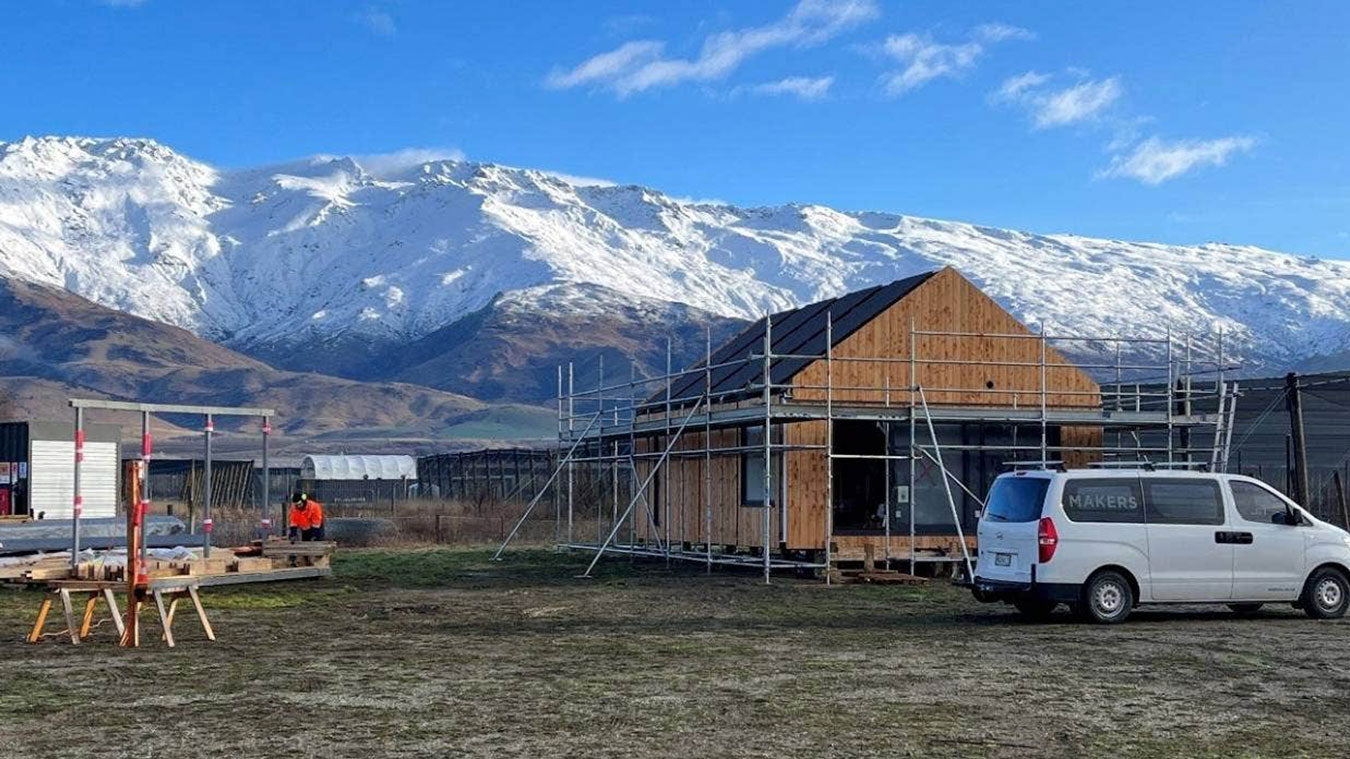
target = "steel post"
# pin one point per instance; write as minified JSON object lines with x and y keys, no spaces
{"x":768,"y":456}
{"x":77,"y":501}
{"x":266,"y":474}
{"x":207,"y":525}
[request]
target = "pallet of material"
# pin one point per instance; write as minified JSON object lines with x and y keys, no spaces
{"x":287,"y":548}
{"x":316,"y":553}
{"x":877,"y":577}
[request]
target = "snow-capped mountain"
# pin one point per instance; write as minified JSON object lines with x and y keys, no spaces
{"x":323,"y":251}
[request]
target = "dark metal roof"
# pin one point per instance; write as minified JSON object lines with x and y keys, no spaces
{"x":800,"y":332}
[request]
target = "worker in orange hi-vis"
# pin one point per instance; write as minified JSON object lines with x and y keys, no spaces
{"x":306,"y":518}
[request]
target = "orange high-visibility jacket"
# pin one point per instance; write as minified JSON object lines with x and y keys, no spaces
{"x":307,"y":517}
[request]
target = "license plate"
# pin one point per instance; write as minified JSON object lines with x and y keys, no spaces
{"x":1002,"y":559}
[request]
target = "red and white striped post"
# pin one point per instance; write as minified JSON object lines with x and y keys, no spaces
{"x":143,"y":501}
{"x":266,"y":478}
{"x":77,"y":501}
{"x":207,"y":524}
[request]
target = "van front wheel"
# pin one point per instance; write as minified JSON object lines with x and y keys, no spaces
{"x":1107,"y":598}
{"x":1327,"y":594}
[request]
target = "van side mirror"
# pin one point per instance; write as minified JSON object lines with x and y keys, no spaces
{"x":1289,"y":518}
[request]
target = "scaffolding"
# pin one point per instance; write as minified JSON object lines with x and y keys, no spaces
{"x":1146,"y":403}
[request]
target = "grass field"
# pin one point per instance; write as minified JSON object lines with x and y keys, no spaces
{"x":429,"y":653}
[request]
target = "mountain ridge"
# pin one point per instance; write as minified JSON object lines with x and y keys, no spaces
{"x":306,"y":261}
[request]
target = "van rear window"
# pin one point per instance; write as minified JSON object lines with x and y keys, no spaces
{"x":1016,"y":499}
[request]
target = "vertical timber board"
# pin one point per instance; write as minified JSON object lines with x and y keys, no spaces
{"x":641,"y":469}
{"x":1087,"y":437}
{"x":806,"y":485}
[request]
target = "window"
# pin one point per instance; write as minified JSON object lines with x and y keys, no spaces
{"x":1016,"y":499}
{"x":752,"y":468}
{"x":1256,"y":504}
{"x":1183,"y":501}
{"x":1106,"y":499}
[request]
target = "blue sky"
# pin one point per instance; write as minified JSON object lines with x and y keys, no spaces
{"x":1179,"y":122}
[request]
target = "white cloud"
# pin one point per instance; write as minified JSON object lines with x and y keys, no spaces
{"x":1155,"y":161}
{"x":925,"y":60}
{"x":1013,"y":87}
{"x":641,"y":64}
{"x":387,"y":164}
{"x":378,"y":21}
{"x":999,"y":32}
{"x":1053,"y":107}
{"x":806,"y":88}
{"x":609,"y":66}
{"x":1073,"y":104}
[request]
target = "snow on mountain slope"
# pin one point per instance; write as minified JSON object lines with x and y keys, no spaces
{"x":323,"y":250}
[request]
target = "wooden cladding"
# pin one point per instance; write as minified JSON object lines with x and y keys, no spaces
{"x":946,"y":366}
{"x":984,"y":368}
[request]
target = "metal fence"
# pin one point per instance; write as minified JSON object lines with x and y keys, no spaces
{"x":491,"y":474}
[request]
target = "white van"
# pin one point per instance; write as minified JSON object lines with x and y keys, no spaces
{"x":1103,"y":541}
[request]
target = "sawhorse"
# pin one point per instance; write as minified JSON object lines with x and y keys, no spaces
{"x":159,"y":590}
{"x":176,"y":590}
{"x":63,"y":590}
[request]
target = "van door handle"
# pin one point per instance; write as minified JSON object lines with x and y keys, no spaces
{"x":1233,"y":538}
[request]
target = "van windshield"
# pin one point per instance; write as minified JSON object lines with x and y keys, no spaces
{"x":1016,"y":499}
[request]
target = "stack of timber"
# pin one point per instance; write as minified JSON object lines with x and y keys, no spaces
{"x":876,"y":577}
{"x":260,"y":562}
{"x":315,"y":553}
{"x":870,"y":574}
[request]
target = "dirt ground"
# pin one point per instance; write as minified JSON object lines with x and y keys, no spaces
{"x":430,"y":653}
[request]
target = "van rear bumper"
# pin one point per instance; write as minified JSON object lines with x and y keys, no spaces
{"x":991,"y":591}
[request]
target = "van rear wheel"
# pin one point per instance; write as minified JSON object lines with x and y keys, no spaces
{"x":1107,"y":598}
{"x":1327,"y":594}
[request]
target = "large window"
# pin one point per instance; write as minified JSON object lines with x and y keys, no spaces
{"x":1256,"y":504}
{"x":1183,"y":501}
{"x":752,"y":469}
{"x":1108,"y":499}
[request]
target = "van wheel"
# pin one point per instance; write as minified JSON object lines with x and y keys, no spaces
{"x":1326,"y":594}
{"x":1245,"y":610}
{"x":1107,"y":598}
{"x":1035,"y":609}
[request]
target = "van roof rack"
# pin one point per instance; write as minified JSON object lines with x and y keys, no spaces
{"x":1150,"y":466}
{"x":1048,"y":464}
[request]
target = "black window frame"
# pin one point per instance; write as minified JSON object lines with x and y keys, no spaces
{"x":775,"y":467}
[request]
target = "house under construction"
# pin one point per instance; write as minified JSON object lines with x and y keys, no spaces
{"x":869,"y":426}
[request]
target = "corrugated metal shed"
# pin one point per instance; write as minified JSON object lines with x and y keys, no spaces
{"x":40,"y":471}
{"x":358,"y":467}
{"x":800,"y":331}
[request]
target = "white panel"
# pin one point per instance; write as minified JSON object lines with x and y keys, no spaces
{"x":52,"y":478}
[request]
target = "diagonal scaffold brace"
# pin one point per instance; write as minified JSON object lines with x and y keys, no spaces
{"x":947,"y":486}
{"x":640,"y":494}
{"x":540,"y":495}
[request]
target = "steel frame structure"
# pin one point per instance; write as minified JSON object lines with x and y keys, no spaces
{"x":1148,"y":389}
{"x":138,"y":582}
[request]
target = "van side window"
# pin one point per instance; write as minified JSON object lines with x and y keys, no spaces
{"x":1255,"y":503}
{"x":1183,"y":501}
{"x":1103,"y":500}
